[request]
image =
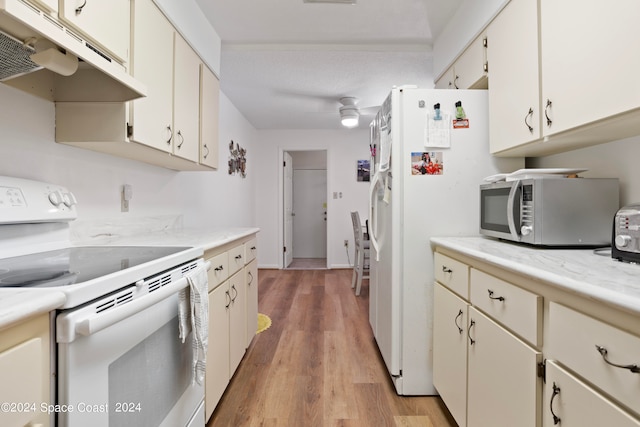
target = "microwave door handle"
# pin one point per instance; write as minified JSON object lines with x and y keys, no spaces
{"x":515,"y":190}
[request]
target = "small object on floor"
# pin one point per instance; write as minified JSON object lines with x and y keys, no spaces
{"x":264,"y":322}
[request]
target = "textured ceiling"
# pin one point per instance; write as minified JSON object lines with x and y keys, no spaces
{"x":286,"y":63}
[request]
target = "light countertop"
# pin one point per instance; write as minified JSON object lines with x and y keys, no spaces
{"x":17,"y":304}
{"x":579,"y":271}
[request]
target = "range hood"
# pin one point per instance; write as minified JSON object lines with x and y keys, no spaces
{"x":26,"y":30}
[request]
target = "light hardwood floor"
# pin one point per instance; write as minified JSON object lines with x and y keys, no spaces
{"x":318,"y":364}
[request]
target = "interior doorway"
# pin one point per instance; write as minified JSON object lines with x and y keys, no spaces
{"x":305,"y":209}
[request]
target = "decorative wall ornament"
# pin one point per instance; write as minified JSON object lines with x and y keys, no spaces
{"x":237,"y":160}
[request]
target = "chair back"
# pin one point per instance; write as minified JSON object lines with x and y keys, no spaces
{"x":357,"y":228}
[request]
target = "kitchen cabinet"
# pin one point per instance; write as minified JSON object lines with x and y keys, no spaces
{"x":484,"y":372}
{"x":571,"y":402}
{"x":469,"y":70}
{"x":105,"y":23}
{"x":175,"y":126}
{"x":25,"y":372}
{"x":548,"y":92}
{"x":209,"y":113}
{"x":514,"y":94}
{"x":529,"y":346}
{"x":233,"y":313}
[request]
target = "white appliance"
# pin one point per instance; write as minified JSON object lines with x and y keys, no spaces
{"x":412,"y":201}
{"x":119,"y":360}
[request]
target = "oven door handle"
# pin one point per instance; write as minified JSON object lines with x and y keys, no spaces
{"x":93,"y":323}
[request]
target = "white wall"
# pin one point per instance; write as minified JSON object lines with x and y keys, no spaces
{"x":28,"y":150}
{"x":616,"y":159}
{"x":344,"y":148}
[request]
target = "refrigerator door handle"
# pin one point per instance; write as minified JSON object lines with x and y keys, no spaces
{"x":373,"y":216}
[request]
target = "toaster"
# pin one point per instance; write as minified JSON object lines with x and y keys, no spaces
{"x":625,"y":237}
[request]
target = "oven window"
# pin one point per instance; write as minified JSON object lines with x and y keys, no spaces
{"x":493,"y":209}
{"x":146,"y":382}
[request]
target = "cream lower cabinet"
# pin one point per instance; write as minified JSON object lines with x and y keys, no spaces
{"x":25,"y":373}
{"x":509,"y":351}
{"x":485,"y":373}
{"x":233,"y":312}
{"x":570,"y":402}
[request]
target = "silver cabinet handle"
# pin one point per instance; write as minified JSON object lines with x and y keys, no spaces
{"x":546,"y":109}
{"x":170,"y":135}
{"x":79,"y":8}
{"x":556,"y":391}
{"x":205,"y":146}
{"x":492,"y":297}
{"x":456,"y":322}
{"x":529,"y":114}
{"x":603,"y":352}
{"x":251,"y":279}
{"x":181,"y":139}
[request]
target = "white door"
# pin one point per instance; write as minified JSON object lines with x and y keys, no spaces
{"x":288,"y":209}
{"x":309,"y":206}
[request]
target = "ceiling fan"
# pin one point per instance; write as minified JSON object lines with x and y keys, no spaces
{"x":350,"y":112}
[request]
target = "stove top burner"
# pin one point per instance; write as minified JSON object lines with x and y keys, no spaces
{"x":74,"y":265}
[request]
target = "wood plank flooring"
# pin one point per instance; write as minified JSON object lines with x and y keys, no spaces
{"x":318,"y":363}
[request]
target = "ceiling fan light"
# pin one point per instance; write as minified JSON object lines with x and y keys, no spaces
{"x":350,"y":119}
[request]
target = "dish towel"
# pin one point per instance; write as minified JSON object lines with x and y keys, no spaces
{"x":193,"y":315}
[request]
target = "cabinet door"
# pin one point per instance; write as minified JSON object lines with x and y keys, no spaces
{"x":209,"y":111}
{"x":152,"y":116}
{"x":251,"y":279}
{"x":469,"y":68}
{"x":588,"y":71}
{"x":503,"y":388}
{"x":569,"y":402}
{"x":237,"y":320}
{"x":107,"y":23}
{"x":186,"y":101}
{"x":514,"y":98}
{"x":450,"y":351}
{"x":217,"y":372}
{"x":446,"y":80}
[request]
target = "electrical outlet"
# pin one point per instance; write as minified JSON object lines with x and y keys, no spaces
{"x":346,"y":243}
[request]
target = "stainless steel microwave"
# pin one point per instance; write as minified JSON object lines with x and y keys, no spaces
{"x":550,"y":211}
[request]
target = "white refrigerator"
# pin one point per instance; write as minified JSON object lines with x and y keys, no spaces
{"x":427,"y":169}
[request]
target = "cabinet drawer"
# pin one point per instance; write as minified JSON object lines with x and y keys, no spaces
{"x":250,"y":250}
{"x":578,"y":405}
{"x":515,"y":308}
{"x":236,"y":259}
{"x":219,"y":270}
{"x":574,"y":339}
{"x":452,"y":274}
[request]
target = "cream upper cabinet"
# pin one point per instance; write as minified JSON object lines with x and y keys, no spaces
{"x":471,"y":67}
{"x":50,"y":5}
{"x":152,"y":116}
{"x":514,"y":94}
{"x":588,"y":71}
{"x":469,"y":70}
{"x":209,"y":112}
{"x":107,"y":23}
{"x":186,"y":100}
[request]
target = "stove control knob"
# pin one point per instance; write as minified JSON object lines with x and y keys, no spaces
{"x":622,"y":240}
{"x":526,"y":230}
{"x":69,"y":199}
{"x":55,"y":198}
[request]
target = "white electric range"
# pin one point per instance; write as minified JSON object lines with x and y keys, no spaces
{"x":119,"y":360}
